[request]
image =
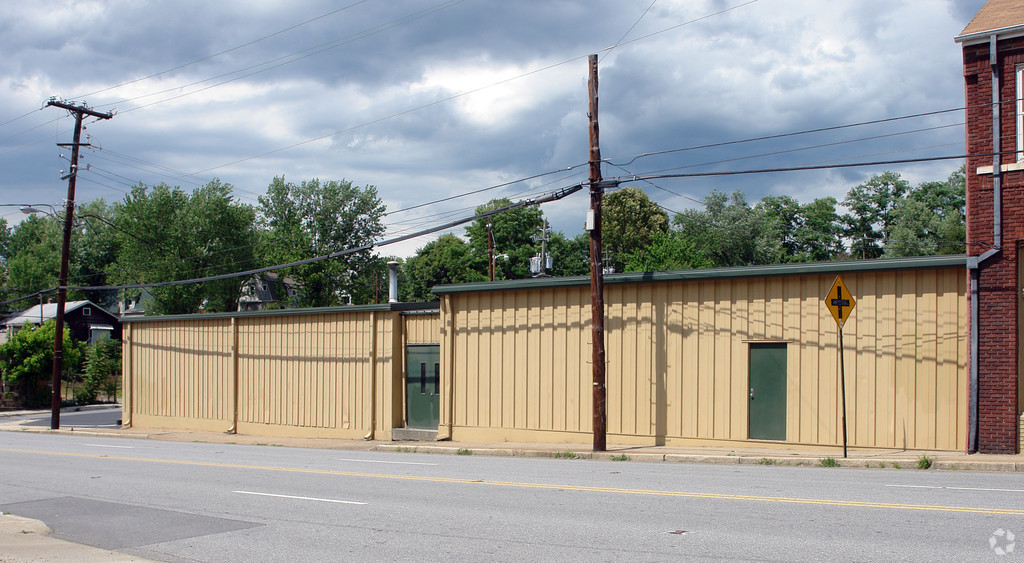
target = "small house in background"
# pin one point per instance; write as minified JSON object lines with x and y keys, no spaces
{"x":263,"y":291}
{"x":85,"y":320}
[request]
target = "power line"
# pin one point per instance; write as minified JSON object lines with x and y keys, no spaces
{"x":294,"y":57}
{"x":553,"y":197}
{"x":208,"y":57}
{"x":795,"y":133}
{"x":790,"y":169}
{"x":628,"y":31}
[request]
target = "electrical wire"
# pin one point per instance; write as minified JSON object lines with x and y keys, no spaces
{"x":565,"y":192}
{"x":237,"y":47}
{"x":628,"y":31}
{"x":293,"y":56}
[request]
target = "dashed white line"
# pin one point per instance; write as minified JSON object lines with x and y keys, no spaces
{"x":110,"y":446}
{"x":958,"y":488}
{"x":299,"y":498}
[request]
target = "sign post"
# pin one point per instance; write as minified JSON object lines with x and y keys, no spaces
{"x":840,"y":303}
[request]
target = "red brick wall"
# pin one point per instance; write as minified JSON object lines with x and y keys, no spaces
{"x":998,"y":284}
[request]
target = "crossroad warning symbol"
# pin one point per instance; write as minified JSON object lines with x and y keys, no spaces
{"x":840,"y":301}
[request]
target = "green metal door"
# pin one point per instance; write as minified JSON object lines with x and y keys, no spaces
{"x":767,"y":392}
{"x":422,"y":385}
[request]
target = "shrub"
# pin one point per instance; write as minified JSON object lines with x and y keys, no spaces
{"x":26,"y":361}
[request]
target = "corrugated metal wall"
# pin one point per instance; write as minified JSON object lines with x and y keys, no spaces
{"x":318,"y":375}
{"x":518,"y":366}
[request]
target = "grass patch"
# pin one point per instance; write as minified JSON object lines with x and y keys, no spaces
{"x":620,"y":457}
{"x":464,"y":451}
{"x":403,"y":450}
{"x":566,"y":455}
{"x":896,"y":465}
{"x":925,"y":462}
{"x":829,"y":462}
{"x":765,"y":461}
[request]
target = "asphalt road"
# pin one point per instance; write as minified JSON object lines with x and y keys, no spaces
{"x":214,"y":502}
{"x":93,"y":417}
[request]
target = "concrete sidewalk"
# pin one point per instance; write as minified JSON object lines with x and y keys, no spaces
{"x":30,"y":540}
{"x":23,"y":539}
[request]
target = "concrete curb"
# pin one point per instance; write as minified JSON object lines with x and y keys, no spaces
{"x":893,"y":462}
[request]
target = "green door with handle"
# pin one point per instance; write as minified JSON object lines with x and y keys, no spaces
{"x":422,"y":385}
{"x":767,"y":392}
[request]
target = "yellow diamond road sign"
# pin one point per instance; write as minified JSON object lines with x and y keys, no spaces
{"x":840,"y":301}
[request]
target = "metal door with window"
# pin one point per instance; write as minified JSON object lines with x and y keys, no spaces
{"x":767,"y":392}
{"x":422,"y":385}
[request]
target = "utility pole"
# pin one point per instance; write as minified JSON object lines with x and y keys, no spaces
{"x":596,"y":272}
{"x":538,"y":264}
{"x":79,"y":112}
{"x":490,"y":250}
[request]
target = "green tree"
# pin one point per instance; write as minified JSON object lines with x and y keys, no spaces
{"x":930,"y":219}
{"x":317,"y":218}
{"x":630,"y":222}
{"x":791,"y":232}
{"x":26,"y":360}
{"x":443,"y":261}
{"x":724,"y":233}
{"x":569,"y":256}
{"x":33,"y":256}
{"x":102,"y":364}
{"x":94,"y":251}
{"x":513,"y":231}
{"x":166,"y":234}
{"x":870,"y":220}
{"x":668,"y":251}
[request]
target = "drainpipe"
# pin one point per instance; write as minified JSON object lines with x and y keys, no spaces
{"x":373,"y":374}
{"x":392,"y":282}
{"x":448,"y":342}
{"x":974,"y":263}
{"x":128,"y":385}
{"x":234,"y":377}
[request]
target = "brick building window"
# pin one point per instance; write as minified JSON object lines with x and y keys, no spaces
{"x":1019,"y":76}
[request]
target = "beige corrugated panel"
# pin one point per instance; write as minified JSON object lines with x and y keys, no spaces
{"x":180,"y":374}
{"x":301,"y":375}
{"x":422,"y":328}
{"x":677,"y":360}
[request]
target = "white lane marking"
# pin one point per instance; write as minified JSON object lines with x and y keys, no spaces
{"x":391,"y":462}
{"x":109,"y":446}
{"x":958,"y":488}
{"x":299,"y":498}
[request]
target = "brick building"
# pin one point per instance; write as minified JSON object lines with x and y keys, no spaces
{"x":993,"y":54}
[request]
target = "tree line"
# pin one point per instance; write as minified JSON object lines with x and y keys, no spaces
{"x":161,"y":233}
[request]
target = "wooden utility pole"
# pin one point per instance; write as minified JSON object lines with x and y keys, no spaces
{"x":490,"y":251}
{"x":79,"y":112}
{"x":596,"y":267}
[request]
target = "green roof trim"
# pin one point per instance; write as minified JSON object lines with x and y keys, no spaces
{"x":804,"y":268}
{"x":399,"y":307}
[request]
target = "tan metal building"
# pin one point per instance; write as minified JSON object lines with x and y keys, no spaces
{"x":717,"y":357}
{"x":734,"y":356}
{"x":332,"y":372}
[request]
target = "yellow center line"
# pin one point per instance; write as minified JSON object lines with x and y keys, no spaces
{"x":581,"y":488}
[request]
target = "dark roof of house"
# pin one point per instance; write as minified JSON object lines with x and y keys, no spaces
{"x":33,"y":315}
{"x":999,"y":17}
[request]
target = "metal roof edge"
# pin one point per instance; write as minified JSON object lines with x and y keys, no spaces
{"x":803,"y":268}
{"x":983,"y":36}
{"x":387,"y":307}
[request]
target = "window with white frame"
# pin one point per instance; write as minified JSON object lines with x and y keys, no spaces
{"x":1020,"y":112}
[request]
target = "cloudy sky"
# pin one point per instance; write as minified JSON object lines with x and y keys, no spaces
{"x":433,"y":99}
